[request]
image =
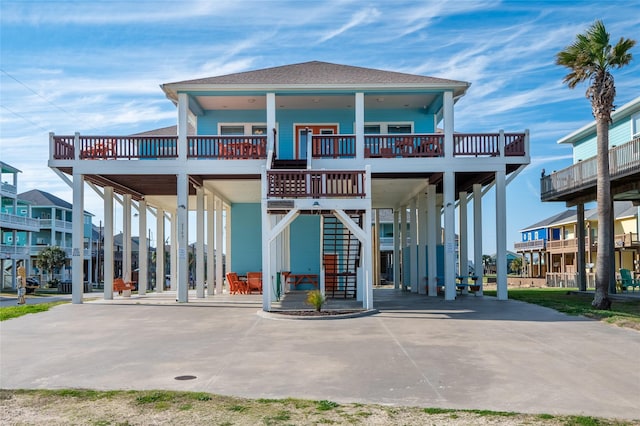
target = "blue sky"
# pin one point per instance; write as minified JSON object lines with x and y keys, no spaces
{"x":95,"y":67}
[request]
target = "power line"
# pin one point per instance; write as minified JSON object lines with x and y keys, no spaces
{"x":24,"y":118}
{"x":38,"y":94}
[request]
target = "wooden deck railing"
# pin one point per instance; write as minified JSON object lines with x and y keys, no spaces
{"x":530,"y":245}
{"x":315,"y":184}
{"x":227,"y":147}
{"x":624,"y":160}
{"x":255,"y":147}
{"x":333,"y":146}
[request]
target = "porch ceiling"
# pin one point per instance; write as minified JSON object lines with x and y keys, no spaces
{"x":338,"y":101}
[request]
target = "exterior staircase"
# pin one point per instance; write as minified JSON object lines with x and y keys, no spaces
{"x":341,"y":258}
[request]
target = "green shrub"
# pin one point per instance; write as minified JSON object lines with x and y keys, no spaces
{"x":316,"y":299}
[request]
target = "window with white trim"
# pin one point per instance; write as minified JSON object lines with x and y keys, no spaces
{"x":635,"y":126}
{"x":387,"y":128}
{"x":228,"y":129}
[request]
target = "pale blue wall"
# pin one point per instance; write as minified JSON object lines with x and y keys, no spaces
{"x":286,"y":119}
{"x":246,"y":241}
{"x":619,"y":133}
{"x":246,"y":238}
{"x":439,"y":265}
{"x":305,"y":245}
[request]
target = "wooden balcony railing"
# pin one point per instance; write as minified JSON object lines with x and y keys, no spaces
{"x":255,"y":147}
{"x":530,"y":245}
{"x":333,"y":146}
{"x":315,"y":184}
{"x":624,"y":160}
{"x":629,"y":239}
{"x":227,"y":147}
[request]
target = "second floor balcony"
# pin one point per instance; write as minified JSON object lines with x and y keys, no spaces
{"x":578,"y":182}
{"x":22,"y":223}
{"x":340,"y":146}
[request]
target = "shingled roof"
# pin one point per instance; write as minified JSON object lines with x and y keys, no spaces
{"x":316,"y":72}
{"x":43,"y":199}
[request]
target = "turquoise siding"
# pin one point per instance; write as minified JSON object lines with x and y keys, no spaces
{"x":287,"y":119}
{"x":619,"y":133}
{"x":305,"y":246}
{"x":246,"y":241}
{"x":406,"y":276}
{"x":208,"y":123}
{"x":246,"y":238}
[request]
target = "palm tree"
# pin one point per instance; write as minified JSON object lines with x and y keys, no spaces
{"x":591,"y":57}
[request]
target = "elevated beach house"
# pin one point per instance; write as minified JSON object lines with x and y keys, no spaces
{"x":290,"y":162}
{"x":576,"y":186}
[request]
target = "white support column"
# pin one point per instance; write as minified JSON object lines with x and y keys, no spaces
{"x":143,"y":249}
{"x":367,"y":299}
{"x":173,"y":252}
{"x":219,"y":277}
{"x":396,"y":249}
{"x":126,"y":238}
{"x":183,"y":123}
{"x":501,"y":235}
{"x":422,"y":243}
{"x":477,"y":235}
{"x":182,"y":217}
{"x":227,"y":238}
{"x":403,"y":244}
{"x":271,"y":119}
{"x":449,"y":235}
{"x":266,"y":244}
{"x":359,"y":125}
{"x":463,"y":236}
{"x":413,"y":248}
{"x":376,"y":246}
{"x":448,"y":124}
{"x":107,"y":247}
{"x":77,"y":258}
{"x":160,"y":275}
{"x":432,"y":241}
{"x":200,"y":236}
{"x":211,"y":252}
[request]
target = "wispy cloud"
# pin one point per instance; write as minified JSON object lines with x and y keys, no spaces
{"x":364,"y":16}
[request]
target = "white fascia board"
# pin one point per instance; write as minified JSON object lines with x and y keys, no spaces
{"x":173,"y":90}
{"x":332,"y":203}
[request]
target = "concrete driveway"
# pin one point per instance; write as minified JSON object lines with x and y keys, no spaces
{"x":474,"y":352}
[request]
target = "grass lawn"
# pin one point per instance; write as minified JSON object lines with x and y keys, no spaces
{"x":89,"y":407}
{"x":623,"y":313}
{"x":8,"y":312}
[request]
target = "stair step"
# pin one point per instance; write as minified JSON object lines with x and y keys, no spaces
{"x":290,"y":164}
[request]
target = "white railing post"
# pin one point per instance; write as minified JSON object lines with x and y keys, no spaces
{"x":309,"y":146}
{"x":76,"y":146}
{"x":501,"y":143}
{"x":52,"y":146}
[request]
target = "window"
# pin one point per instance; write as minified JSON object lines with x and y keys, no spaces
{"x":230,"y":129}
{"x":399,"y":128}
{"x":258,"y":130}
{"x":387,"y":128}
{"x":635,"y":126}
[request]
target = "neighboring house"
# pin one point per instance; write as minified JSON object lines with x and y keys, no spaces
{"x":287,"y":165}
{"x":550,"y":247}
{"x":16,"y":227}
{"x":576,"y":185}
{"x":54,"y":215}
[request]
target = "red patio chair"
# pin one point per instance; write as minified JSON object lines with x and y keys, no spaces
{"x":254,"y":282}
